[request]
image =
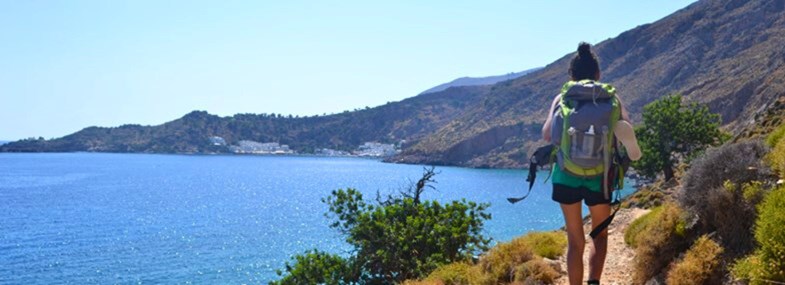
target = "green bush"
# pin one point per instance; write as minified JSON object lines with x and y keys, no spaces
{"x":546,"y":244}
{"x":776,"y":158}
{"x":748,"y":268}
{"x":316,"y":267}
{"x":659,"y":243}
{"x":640,"y":225}
{"x":768,"y":261}
{"x":401,"y":237}
{"x":770,"y":234}
{"x":701,"y":264}
{"x":776,"y":136}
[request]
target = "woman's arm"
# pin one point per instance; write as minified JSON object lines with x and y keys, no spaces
{"x":546,"y":128}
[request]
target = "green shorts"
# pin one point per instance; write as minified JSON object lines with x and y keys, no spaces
{"x":560,"y":177}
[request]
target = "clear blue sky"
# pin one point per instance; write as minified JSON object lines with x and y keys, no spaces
{"x":66,"y":65}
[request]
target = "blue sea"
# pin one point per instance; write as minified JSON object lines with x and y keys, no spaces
{"x":91,"y":218}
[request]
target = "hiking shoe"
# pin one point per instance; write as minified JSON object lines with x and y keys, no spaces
{"x":626,"y":134}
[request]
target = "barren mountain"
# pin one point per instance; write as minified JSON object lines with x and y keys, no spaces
{"x":727,"y":54}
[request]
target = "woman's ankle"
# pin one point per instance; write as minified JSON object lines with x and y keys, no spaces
{"x":593,"y":282}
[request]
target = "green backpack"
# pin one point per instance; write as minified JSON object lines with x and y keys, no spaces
{"x":582,"y":129}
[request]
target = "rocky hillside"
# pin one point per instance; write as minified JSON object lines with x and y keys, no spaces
{"x":409,"y":120}
{"x":727,"y":54}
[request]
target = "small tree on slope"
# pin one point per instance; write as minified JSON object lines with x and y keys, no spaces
{"x":673,"y":130}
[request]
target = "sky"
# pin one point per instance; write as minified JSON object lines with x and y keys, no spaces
{"x":67,"y":65}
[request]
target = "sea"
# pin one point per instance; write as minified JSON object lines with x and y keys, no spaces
{"x":97,"y":218}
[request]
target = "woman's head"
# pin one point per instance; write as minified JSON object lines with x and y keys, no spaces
{"x":585,"y":64}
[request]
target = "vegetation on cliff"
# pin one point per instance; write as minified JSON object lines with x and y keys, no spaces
{"x":767,"y":262}
{"x":397,"y":238}
{"x":520,"y":261}
{"x":723,"y":226}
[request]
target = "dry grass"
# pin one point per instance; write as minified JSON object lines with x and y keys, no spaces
{"x":546,"y":244}
{"x":424,"y":282}
{"x":659,"y":243}
{"x":500,"y":262}
{"x":535,"y":271}
{"x":455,"y":274}
{"x":700,"y":265}
{"x":519,"y":261}
{"x":640,"y":225}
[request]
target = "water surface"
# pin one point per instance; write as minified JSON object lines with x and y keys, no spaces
{"x":87,"y":218}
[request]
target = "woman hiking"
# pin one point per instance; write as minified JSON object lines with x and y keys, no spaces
{"x":584,"y":122}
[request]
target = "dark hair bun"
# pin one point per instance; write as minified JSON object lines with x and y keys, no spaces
{"x":584,"y":65}
{"x":584,"y":49}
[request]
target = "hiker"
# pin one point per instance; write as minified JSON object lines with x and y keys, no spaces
{"x":582,"y":140}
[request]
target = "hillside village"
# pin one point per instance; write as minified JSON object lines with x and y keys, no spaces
{"x":367,"y":149}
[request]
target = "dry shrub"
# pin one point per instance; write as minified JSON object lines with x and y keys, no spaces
{"x":646,"y":197}
{"x":701,"y":264}
{"x":500,"y":262}
{"x":720,"y":189}
{"x":505,"y":261}
{"x":655,"y":193}
{"x":734,"y":215}
{"x":458,"y":273}
{"x":516,"y":262}
{"x":659,"y":243}
{"x":535,"y":271}
{"x":423,"y":282}
{"x":546,"y":244}
{"x":640,"y":225}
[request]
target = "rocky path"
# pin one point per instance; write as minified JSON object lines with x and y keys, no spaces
{"x":618,"y":263}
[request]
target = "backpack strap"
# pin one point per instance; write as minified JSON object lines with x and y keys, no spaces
{"x":541,"y":157}
{"x":609,"y":146}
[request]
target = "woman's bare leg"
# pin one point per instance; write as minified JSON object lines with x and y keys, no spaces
{"x":575,"y":240}
{"x":597,"y":256}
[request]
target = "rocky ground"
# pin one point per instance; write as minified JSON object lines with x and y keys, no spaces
{"x":618,"y":263}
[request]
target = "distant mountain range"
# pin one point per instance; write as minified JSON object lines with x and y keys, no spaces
{"x":474,"y":81}
{"x":408,"y":120}
{"x":725,"y":53}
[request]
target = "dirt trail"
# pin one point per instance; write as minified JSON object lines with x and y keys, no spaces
{"x":618,"y":263}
